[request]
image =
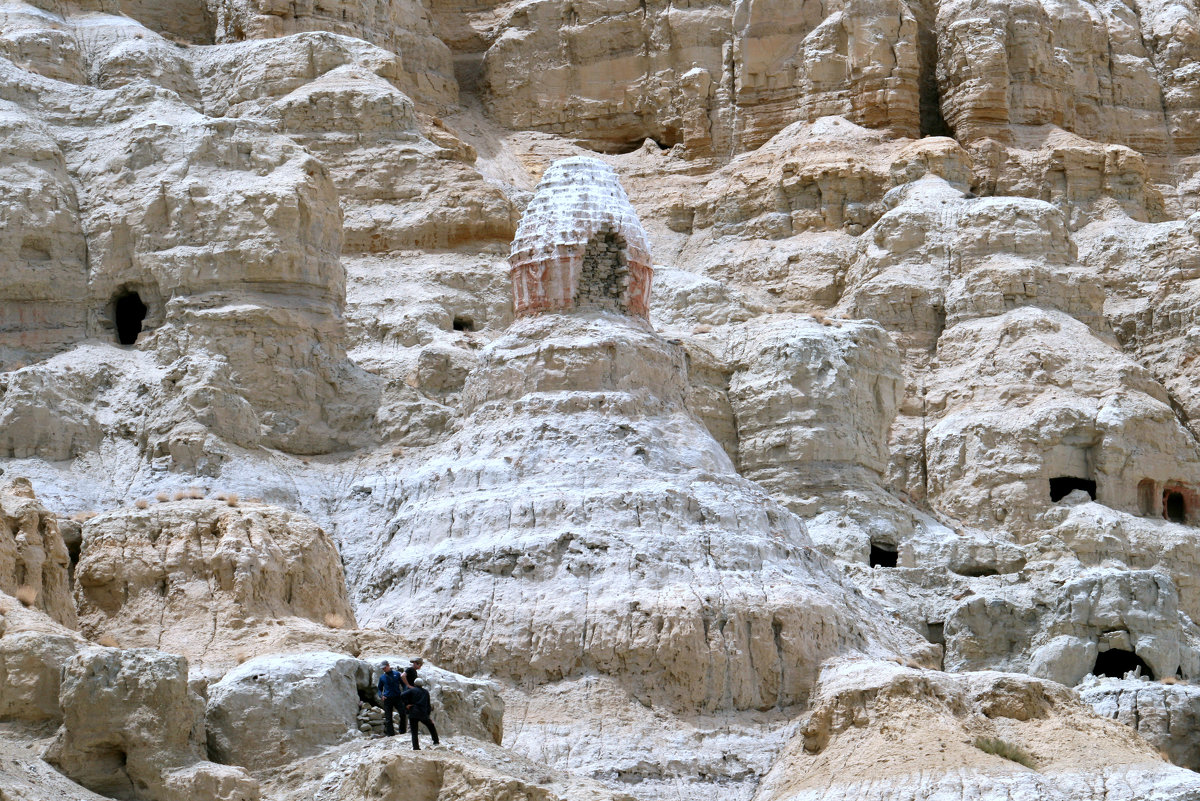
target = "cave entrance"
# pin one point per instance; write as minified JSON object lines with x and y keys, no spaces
{"x":604,"y":275}
{"x":1174,"y":507}
{"x":883,"y":554}
{"x":463,"y":323}
{"x":1063,"y":486}
{"x":128,"y":313}
{"x":1116,"y":662}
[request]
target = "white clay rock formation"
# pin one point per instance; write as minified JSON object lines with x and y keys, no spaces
{"x":209,"y":581}
{"x":753,"y":402}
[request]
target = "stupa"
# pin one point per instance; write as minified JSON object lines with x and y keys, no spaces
{"x":580,"y":245}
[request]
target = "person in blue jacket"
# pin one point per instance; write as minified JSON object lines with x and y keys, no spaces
{"x":391,"y":688}
{"x":416,"y":700}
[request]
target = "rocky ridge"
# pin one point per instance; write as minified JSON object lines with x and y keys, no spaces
{"x":907,"y":435}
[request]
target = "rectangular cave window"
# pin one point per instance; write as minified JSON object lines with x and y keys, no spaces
{"x":1063,"y":486}
{"x":1147,"y":489}
{"x":883,"y":554}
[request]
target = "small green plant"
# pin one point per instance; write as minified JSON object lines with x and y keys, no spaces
{"x":1006,"y":750}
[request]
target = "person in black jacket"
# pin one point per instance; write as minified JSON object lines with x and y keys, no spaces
{"x":391,"y":688}
{"x":416,"y":700}
{"x":410,"y":672}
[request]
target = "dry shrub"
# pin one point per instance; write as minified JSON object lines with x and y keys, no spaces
{"x":220,"y":496}
{"x":26,"y":594}
{"x":181,"y":495}
{"x":397,"y":452}
{"x":1007,"y":750}
{"x":162,"y":497}
{"x":334,"y":620}
{"x":82,"y":517}
{"x":194,"y":494}
{"x":108,"y":641}
{"x":703,"y":328}
{"x":232,"y":499}
{"x":1169,"y":680}
{"x":142,"y":503}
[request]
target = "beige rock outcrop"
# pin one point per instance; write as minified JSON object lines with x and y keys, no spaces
{"x":43,"y":300}
{"x":878,"y":730}
{"x":33,"y":651}
{"x":1164,"y":714}
{"x":132,"y":729}
{"x":813,"y":405}
{"x":463,"y":771}
{"x":925,"y":294}
{"x":716,"y":79}
{"x":402,"y":27}
{"x":210,"y":580}
{"x":34,"y":562}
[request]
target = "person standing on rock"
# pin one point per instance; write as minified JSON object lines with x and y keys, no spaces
{"x":416,"y":700}
{"x":391,"y":690}
{"x":410,"y":672}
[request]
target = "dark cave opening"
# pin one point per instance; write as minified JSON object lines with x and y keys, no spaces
{"x":883,"y":554}
{"x":664,"y":141}
{"x":1063,"y":486}
{"x":1174,"y":507}
{"x":1116,"y":662}
{"x":929,"y":97}
{"x":463,"y":323}
{"x":128,"y":314}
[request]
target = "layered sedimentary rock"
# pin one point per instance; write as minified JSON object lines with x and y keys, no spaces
{"x":1164,"y":714}
{"x":400,"y":26}
{"x":716,"y":78}
{"x":33,"y":651}
{"x":480,"y":771}
{"x":812,"y":405}
{"x":255,"y":248}
{"x":34,"y":562}
{"x":132,"y":729}
{"x":878,"y":730}
{"x":210,"y":581}
{"x":549,"y":598}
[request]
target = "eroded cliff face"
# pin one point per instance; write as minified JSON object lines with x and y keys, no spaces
{"x":841,"y":382}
